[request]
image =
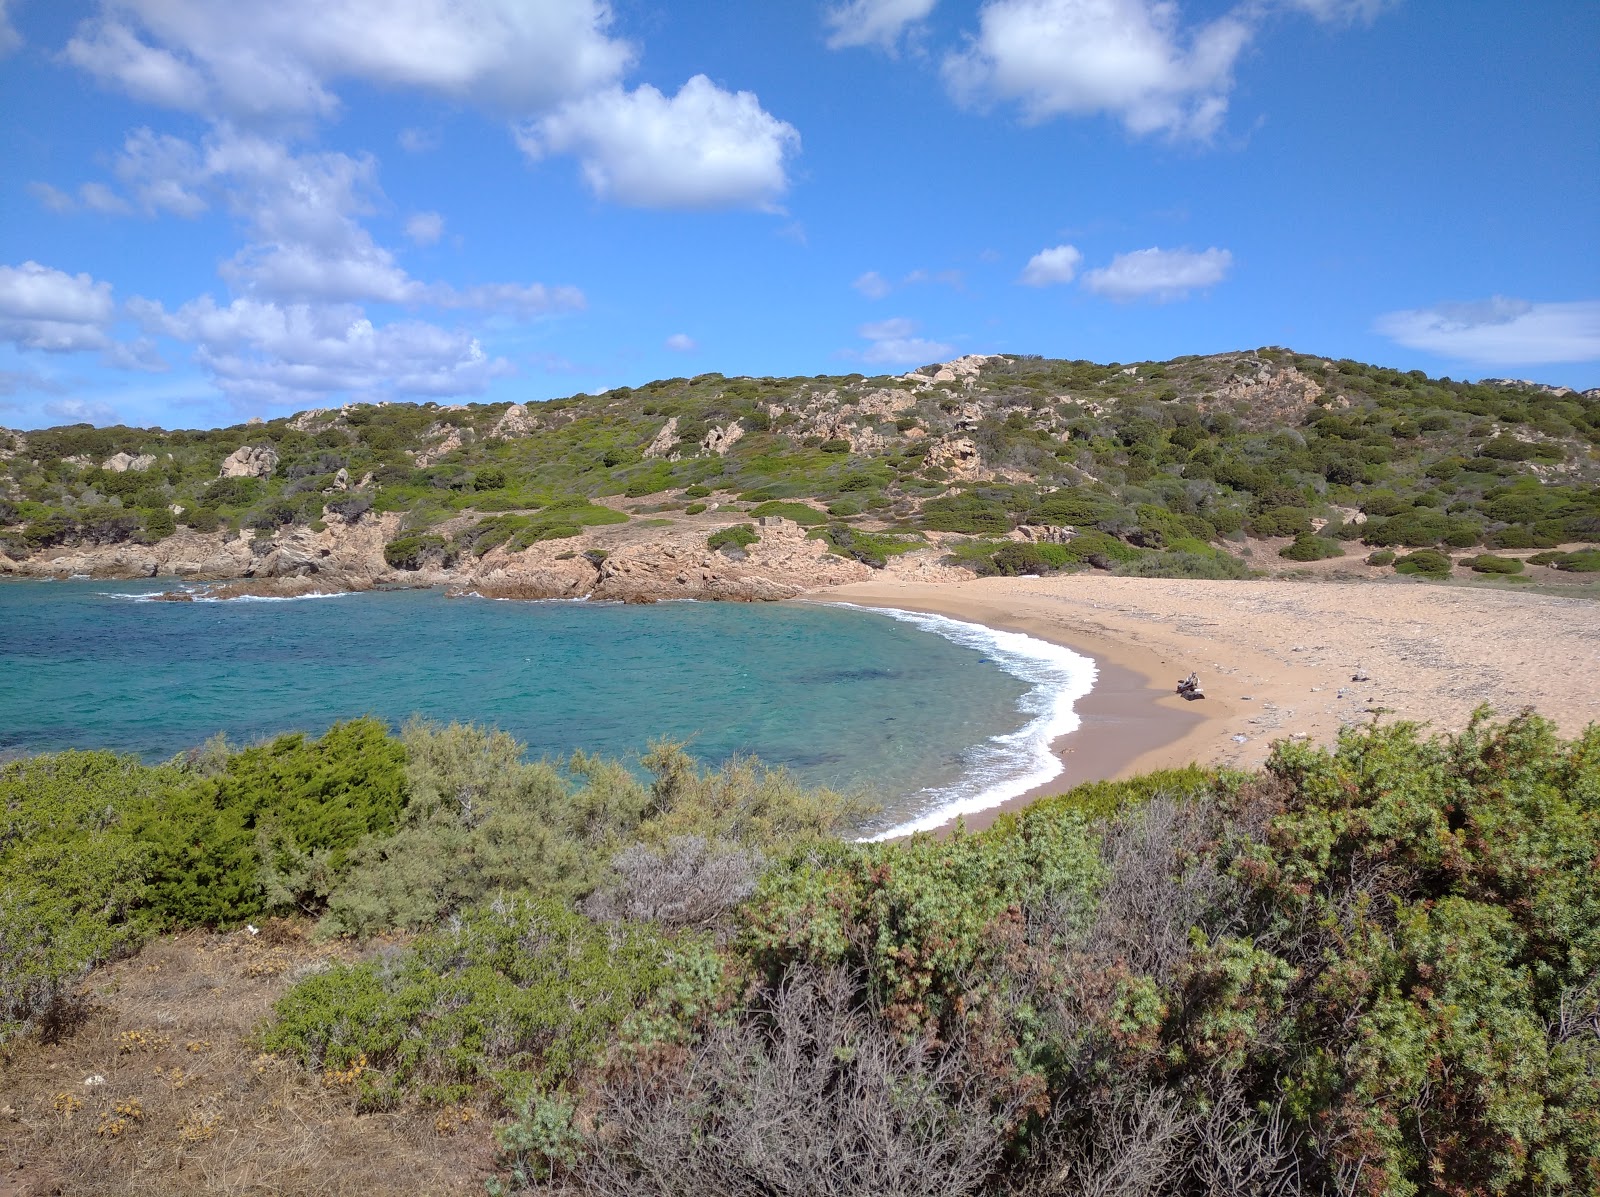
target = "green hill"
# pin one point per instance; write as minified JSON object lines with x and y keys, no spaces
{"x":1155,"y":464}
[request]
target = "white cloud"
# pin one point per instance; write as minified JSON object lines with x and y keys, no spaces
{"x":52,"y":198}
{"x":1159,"y":274}
{"x":1128,"y":58}
{"x":1050,"y":266}
{"x":702,"y":148}
{"x":518,"y":299}
{"x":894,"y":342}
{"x":873,"y":285}
{"x":418,"y":141}
{"x":51,"y":311}
{"x":1331,"y":11}
{"x":681,"y":343}
{"x":97,"y":197}
{"x":251,"y":60}
{"x":287,"y":354}
{"x":82,"y":411}
{"x":164,"y":173}
{"x":425,"y":228}
{"x":10,"y":39}
{"x":1500,"y":331}
{"x":873,"y":22}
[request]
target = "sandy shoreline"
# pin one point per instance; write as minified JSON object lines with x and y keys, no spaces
{"x":1277,"y":659}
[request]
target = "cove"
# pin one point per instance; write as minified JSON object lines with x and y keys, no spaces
{"x":919,"y":712}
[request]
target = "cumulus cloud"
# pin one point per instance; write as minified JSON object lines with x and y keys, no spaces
{"x":702,"y":148}
{"x":1500,"y":331}
{"x":681,"y":343}
{"x":164,"y":173}
{"x":873,"y":22}
{"x":253,"y":60}
{"x":425,"y":228}
{"x":894,"y":342}
{"x":873,"y":285}
{"x":1051,"y":266}
{"x":1160,"y":275}
{"x":283,"y":354}
{"x":49,"y":309}
{"x":1129,"y":58}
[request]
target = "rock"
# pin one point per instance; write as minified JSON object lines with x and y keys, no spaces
{"x":1045,"y":533}
{"x":250,"y":461}
{"x":664,"y":440}
{"x":341,"y":480}
{"x":513,"y":423}
{"x":720,"y":440}
{"x":449,"y":441}
{"x":120,"y":463}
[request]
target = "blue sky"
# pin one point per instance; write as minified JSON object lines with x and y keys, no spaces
{"x":216,"y":209}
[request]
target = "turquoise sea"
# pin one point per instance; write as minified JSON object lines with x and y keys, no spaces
{"x":929,"y":715}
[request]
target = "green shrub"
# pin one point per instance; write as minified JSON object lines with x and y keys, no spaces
{"x":694,"y":509}
{"x":964,"y":513}
{"x":1584,"y":561}
{"x":1211,"y":564}
{"x":519,"y":995}
{"x":803,"y":514}
{"x":413,"y":551}
{"x":837,"y":445}
{"x":1309,"y":547}
{"x":1488,"y":563}
{"x":73,"y":880}
{"x":1381,"y":557}
{"x":740,"y":536}
{"x":159,"y":523}
{"x":696,"y":492}
{"x":1281,"y":521}
{"x":1429,"y":563}
{"x":870,"y":548}
{"x":1018,"y":557}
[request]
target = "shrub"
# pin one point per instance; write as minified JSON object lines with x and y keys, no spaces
{"x":964,"y":513}
{"x":415,"y":550}
{"x":518,"y":996}
{"x":73,"y":880}
{"x":1211,"y":564}
{"x":1584,"y":561}
{"x":803,"y":514}
{"x":1281,"y":521}
{"x":158,"y":523}
{"x":694,"y":509}
{"x":740,"y":536}
{"x":837,"y":445}
{"x":1381,"y":557}
{"x":870,"y":548}
{"x":1428,"y":563}
{"x":349,"y":508}
{"x":1309,"y":547}
{"x":1017,"y":557}
{"x":1488,"y":563}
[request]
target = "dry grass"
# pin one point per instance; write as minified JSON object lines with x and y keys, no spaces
{"x":188,"y":1106}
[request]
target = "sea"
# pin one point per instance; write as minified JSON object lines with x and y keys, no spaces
{"x":928,"y":717}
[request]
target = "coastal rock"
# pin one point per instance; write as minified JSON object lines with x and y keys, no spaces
{"x":250,"y":461}
{"x":959,"y":456}
{"x":120,"y":463}
{"x":1044,"y":534}
{"x":449,"y":440}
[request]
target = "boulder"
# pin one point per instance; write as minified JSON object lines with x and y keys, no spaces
{"x":121,"y":463}
{"x":250,"y":461}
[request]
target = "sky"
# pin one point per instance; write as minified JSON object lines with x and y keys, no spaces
{"x":218,"y":209}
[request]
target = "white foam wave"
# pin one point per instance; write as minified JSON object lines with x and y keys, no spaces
{"x":201,"y":596}
{"x":1008,"y":765}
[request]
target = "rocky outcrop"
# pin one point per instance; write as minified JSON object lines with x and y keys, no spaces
{"x":664,"y":441}
{"x":959,"y":456}
{"x":720,"y":440}
{"x":514,"y":422}
{"x":121,"y":463}
{"x":446,"y":439}
{"x":1279,"y":393}
{"x":250,"y":461}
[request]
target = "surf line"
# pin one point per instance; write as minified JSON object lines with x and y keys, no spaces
{"x":1007,"y":765}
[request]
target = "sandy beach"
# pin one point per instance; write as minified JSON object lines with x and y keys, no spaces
{"x":1276,"y":659}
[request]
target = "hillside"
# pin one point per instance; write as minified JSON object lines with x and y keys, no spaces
{"x":991,"y":464}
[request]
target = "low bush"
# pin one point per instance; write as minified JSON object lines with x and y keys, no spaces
{"x":1209,"y":564}
{"x":413,"y":551}
{"x":1488,"y":563}
{"x":870,"y":548}
{"x":964,"y":513}
{"x":516,"y":996}
{"x":1428,"y":563}
{"x":803,"y":514}
{"x":1309,"y":547}
{"x":1381,"y":557}
{"x":740,"y":536}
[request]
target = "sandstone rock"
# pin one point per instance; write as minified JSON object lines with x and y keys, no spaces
{"x":1044,"y":534}
{"x":959,"y":456}
{"x":250,"y":461}
{"x":119,"y":463}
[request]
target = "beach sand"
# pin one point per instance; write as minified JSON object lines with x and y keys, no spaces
{"x":1276,"y":659}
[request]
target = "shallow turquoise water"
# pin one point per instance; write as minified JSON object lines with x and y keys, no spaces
{"x":846,"y":697}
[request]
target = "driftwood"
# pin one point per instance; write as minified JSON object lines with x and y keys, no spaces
{"x":1189,"y":688}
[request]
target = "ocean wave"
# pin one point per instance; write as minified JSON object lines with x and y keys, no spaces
{"x":1011,"y":764}
{"x":200,"y":595}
